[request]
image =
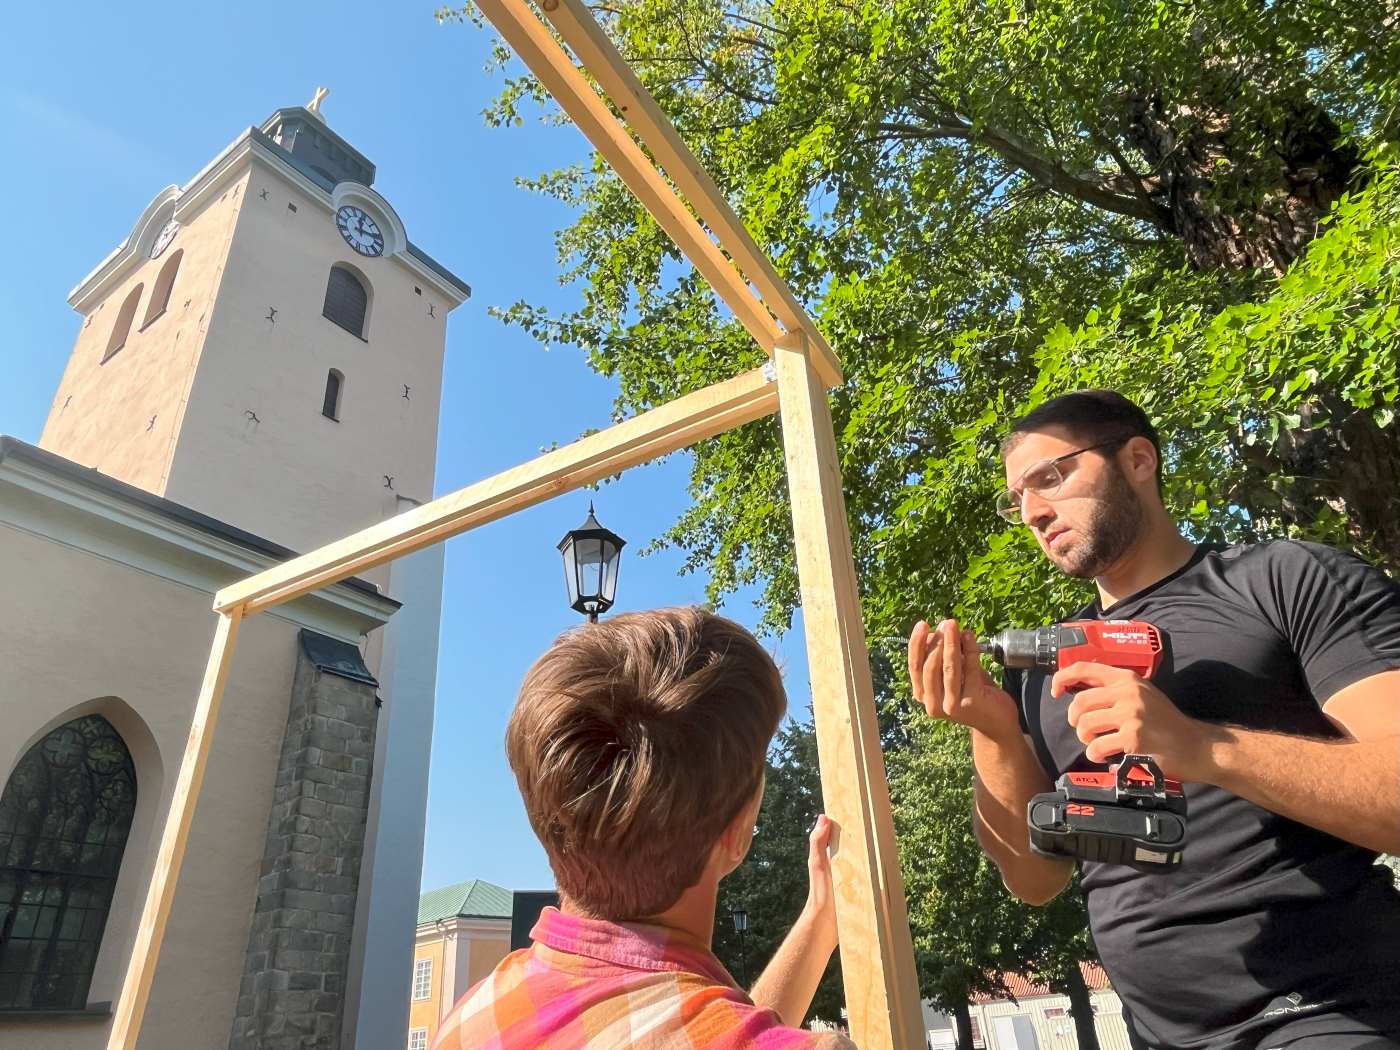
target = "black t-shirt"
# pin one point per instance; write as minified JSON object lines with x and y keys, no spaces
{"x":1267,"y":921}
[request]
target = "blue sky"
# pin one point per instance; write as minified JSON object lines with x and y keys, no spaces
{"x":104,"y":105}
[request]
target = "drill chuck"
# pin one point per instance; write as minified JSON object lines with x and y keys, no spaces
{"x":1024,"y":648}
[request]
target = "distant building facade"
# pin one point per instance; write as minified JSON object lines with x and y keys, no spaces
{"x":463,"y":932}
{"x":1033,"y":1017}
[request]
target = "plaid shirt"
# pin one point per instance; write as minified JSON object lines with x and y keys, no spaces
{"x":586,"y":984}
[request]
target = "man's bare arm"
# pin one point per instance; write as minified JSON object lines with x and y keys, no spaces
{"x":1349,"y":788}
{"x":1008,"y":774}
{"x":948,"y":679}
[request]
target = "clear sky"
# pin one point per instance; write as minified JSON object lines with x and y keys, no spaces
{"x":106,"y":104}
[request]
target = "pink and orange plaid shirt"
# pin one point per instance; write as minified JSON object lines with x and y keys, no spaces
{"x":586,"y":984}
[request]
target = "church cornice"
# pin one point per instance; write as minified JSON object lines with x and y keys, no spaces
{"x":181,"y":203}
{"x":47,"y":495}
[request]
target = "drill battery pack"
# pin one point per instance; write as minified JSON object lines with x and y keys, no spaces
{"x":1130,"y":814}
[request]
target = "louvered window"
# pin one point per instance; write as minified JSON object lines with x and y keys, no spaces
{"x":335,"y":383}
{"x":346,"y":301}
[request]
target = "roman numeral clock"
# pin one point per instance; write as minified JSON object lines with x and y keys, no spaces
{"x":360,"y":230}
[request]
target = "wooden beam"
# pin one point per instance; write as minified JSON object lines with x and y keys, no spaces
{"x":141,"y":970}
{"x":676,"y":425}
{"x":596,"y":51}
{"x":533,"y":42}
{"x":877,"y":952}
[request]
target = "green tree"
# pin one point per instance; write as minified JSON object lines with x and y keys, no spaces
{"x":985,"y":204}
{"x":771,"y":884}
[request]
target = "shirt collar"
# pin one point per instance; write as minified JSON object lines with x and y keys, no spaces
{"x":631,"y":944}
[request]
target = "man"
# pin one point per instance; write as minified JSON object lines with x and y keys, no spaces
{"x":1278,"y":705}
{"x":639,"y":746}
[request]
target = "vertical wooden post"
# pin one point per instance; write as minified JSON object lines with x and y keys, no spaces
{"x":877,"y":952}
{"x":136,"y":988}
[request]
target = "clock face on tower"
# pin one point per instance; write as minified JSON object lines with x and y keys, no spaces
{"x":359,"y":230}
{"x":163,"y":239}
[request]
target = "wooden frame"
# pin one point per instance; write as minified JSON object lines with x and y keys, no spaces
{"x":876,"y":949}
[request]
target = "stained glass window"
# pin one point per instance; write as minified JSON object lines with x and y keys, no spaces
{"x":64,"y":818}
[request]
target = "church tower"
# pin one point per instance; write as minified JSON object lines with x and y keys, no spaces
{"x":266,"y":346}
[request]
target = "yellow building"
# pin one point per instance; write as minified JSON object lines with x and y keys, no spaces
{"x":463,"y":932}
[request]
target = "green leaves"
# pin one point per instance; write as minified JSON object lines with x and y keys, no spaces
{"x":986,"y":204}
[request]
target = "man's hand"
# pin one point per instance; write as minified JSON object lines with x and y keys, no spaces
{"x":1118,"y":712}
{"x":820,"y":908}
{"x":948,"y":679}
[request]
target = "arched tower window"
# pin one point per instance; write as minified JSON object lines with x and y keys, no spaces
{"x":64,"y":818}
{"x":160,"y":294}
{"x":335,"y":384}
{"x":347,"y":299}
{"x":122,"y":328}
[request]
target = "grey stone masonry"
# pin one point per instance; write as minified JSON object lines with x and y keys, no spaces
{"x":293,"y":988}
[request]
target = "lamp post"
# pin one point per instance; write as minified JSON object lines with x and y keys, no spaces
{"x":741,"y":927}
{"x":591,"y":554}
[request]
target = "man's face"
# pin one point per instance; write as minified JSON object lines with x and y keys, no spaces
{"x":1092,"y":518}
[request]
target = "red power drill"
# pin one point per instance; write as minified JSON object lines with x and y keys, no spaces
{"x":1129,"y":814}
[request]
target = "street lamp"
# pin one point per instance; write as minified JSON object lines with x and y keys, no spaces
{"x":591,"y":554}
{"x":741,"y":927}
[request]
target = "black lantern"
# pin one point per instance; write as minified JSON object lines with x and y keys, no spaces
{"x":591,"y":554}
{"x":741,"y":927}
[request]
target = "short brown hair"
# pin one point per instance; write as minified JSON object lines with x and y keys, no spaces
{"x":635,"y":742}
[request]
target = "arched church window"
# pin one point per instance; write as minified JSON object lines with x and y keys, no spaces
{"x":347,"y":298}
{"x":122,"y":328}
{"x":330,"y":407}
{"x":160,"y":294}
{"x":64,"y":818}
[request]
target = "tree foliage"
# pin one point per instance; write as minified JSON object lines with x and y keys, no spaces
{"x":985,"y":203}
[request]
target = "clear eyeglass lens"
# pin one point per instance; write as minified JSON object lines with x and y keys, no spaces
{"x":1043,"y":479}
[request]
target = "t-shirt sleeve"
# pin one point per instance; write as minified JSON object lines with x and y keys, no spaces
{"x":1340,"y":615}
{"x":1012,"y":681}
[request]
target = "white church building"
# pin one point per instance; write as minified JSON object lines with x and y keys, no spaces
{"x":257,"y":371}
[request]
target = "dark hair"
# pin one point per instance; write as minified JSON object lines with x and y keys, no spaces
{"x":636,"y":742}
{"x":1091,"y":416}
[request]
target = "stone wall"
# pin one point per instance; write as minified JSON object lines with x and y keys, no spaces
{"x":293,"y":989}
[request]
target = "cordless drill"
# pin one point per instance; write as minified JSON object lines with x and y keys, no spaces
{"x":1129,"y":814}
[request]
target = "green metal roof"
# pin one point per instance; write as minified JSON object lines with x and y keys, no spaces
{"x":476,"y":899}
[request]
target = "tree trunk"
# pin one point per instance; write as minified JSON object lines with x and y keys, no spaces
{"x":963,"y":1018}
{"x":1237,"y":203}
{"x":1352,"y":464}
{"x":1081,"y":1008}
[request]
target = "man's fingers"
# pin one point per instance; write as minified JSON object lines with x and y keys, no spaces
{"x":1095,"y":723}
{"x":932,"y":676}
{"x":952,"y":666}
{"x":1089,"y":700}
{"x":1085,"y":674}
{"x":972,"y":663}
{"x":918,"y":647}
{"x":1103,"y":748}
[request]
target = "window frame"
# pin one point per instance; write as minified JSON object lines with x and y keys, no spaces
{"x":338,"y":377}
{"x":412,"y":1033}
{"x":163,"y":288}
{"x":354,"y":275}
{"x":126,"y":317}
{"x":422,"y":972}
